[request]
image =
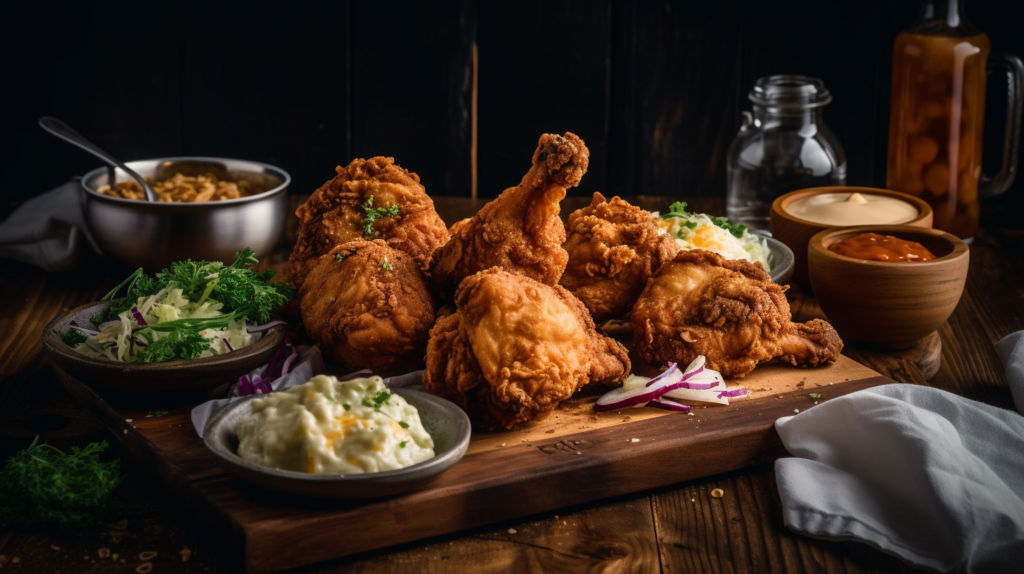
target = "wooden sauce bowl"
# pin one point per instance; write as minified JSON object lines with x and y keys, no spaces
{"x":890,"y":305}
{"x":796,"y":232}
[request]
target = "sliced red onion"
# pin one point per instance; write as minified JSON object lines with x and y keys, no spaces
{"x":287,"y":366}
{"x":75,"y":326}
{"x":740,"y":392}
{"x":709,"y":396}
{"x":669,"y":404}
{"x":621,"y":397}
{"x":228,"y":346}
{"x":670,"y":371}
{"x":280,"y":363}
{"x":244,"y":386}
{"x":138,"y":316}
{"x":259,"y":386}
{"x":263,"y":327}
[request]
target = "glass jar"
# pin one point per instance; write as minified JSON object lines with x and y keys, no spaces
{"x":784,"y":145}
{"x":937,"y":111}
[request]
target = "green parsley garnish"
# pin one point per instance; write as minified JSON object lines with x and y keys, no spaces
{"x":736,"y":229}
{"x":72,"y":337}
{"x":373,"y":214}
{"x":690,"y":225}
{"x":155,"y":414}
{"x":339,"y":257}
{"x":347,"y":407}
{"x":677,"y":209}
{"x":814,"y":395}
{"x":386,"y":265}
{"x":375,"y":403}
{"x":403,"y":443}
{"x":42,"y":484}
{"x":184,"y":343}
{"x":403,"y":424}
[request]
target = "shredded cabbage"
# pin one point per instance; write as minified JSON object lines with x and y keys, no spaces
{"x":700,"y":231}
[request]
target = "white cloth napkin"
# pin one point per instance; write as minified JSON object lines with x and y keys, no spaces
{"x":928,"y":476}
{"x":1011,"y":352}
{"x":309,"y":364}
{"x":49,"y":230}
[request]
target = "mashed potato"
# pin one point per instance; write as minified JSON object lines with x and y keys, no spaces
{"x":331,"y":427}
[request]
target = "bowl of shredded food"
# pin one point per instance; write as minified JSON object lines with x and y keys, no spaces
{"x":194,"y":325}
{"x":208,"y":208}
{"x":730,"y":240}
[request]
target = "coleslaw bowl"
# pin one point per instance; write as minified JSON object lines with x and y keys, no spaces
{"x":170,"y":377}
{"x":152,"y":235}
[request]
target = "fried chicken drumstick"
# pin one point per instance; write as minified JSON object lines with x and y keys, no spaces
{"x":515,"y":348}
{"x":614,"y":248}
{"x":519,"y":231}
{"x":368,"y":306}
{"x":369,"y":199}
{"x":730,"y":311}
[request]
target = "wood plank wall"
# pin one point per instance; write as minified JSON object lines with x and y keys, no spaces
{"x":655,"y":88}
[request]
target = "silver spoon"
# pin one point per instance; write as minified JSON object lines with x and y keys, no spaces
{"x":64,"y":132}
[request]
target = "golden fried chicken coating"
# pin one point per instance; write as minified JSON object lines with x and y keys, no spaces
{"x":368,"y":306}
{"x":360,"y":203}
{"x":520,"y":230}
{"x":515,"y":348}
{"x":614,"y":248}
{"x":730,"y":311}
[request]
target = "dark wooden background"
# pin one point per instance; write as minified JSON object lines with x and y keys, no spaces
{"x":654,"y":88}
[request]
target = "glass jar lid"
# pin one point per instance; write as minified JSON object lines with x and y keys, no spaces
{"x":790,"y":92}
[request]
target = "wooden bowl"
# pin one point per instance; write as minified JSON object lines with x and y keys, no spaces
{"x":890,"y":305}
{"x":796,"y":232}
{"x":153,"y":378}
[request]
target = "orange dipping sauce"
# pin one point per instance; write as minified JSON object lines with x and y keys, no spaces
{"x":875,"y":247}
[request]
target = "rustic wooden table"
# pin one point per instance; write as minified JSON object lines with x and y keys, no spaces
{"x":675,"y":529}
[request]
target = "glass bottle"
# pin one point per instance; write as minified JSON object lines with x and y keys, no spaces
{"x":937,"y":111}
{"x":784,"y":145}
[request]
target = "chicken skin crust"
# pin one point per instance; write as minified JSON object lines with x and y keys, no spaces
{"x":614,"y":248}
{"x":337,"y":213}
{"x":730,"y":311}
{"x":515,"y":348}
{"x":519,"y":231}
{"x":368,"y":306}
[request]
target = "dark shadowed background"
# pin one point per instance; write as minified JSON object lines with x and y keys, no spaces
{"x":654,"y":88}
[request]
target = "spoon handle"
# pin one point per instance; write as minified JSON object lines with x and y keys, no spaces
{"x":66,"y":133}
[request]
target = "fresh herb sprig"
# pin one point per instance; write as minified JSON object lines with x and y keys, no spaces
{"x":736,"y":229}
{"x":372,"y":214}
{"x":42,"y":484}
{"x":73,"y":337}
{"x":678,"y":209}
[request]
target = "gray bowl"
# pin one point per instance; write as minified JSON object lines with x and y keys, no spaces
{"x":781,"y":260}
{"x":152,"y":235}
{"x":447,"y":424}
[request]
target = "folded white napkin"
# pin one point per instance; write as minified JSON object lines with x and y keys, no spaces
{"x":928,"y":476}
{"x":49,"y":230}
{"x":1011,"y":352}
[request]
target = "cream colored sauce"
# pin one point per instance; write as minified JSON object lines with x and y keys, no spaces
{"x":845,"y":209}
{"x":331,"y":427}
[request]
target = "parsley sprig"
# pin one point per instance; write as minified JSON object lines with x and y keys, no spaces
{"x":42,"y":484}
{"x":72,"y":337}
{"x":372,"y":214}
{"x":678,"y":209}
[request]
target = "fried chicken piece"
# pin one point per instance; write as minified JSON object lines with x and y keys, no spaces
{"x":614,"y":248}
{"x":520,"y":230}
{"x":368,"y":306}
{"x":730,"y":311}
{"x":515,"y":348}
{"x":339,"y":212}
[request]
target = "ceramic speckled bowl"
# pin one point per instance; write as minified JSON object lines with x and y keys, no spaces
{"x":447,"y":424}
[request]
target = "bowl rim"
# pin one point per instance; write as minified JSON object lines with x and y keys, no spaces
{"x":51,"y":342}
{"x":286,"y":180}
{"x":924,"y":210}
{"x":960,"y":248}
{"x":458,"y":450}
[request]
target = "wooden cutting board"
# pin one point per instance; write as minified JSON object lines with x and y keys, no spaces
{"x":573,"y":457}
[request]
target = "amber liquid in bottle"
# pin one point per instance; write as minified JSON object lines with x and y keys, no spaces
{"x":935,"y":125}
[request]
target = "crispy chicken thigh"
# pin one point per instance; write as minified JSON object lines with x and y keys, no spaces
{"x":368,"y":306}
{"x":727,"y":310}
{"x":360,"y":203}
{"x":614,"y":248}
{"x":515,"y":348}
{"x":519,"y":231}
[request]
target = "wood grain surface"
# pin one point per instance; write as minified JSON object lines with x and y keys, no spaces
{"x":678,"y":528}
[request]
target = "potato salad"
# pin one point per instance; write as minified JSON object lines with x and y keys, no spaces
{"x":326,"y":426}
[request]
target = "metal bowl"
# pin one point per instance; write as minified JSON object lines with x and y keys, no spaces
{"x":152,"y":235}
